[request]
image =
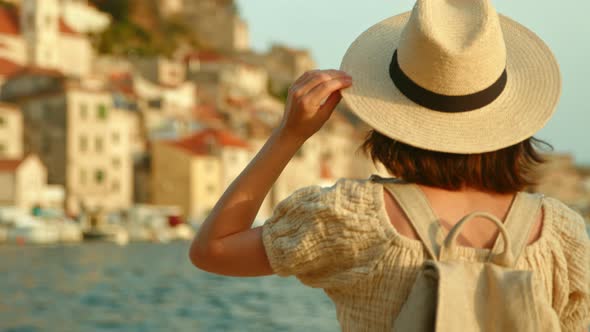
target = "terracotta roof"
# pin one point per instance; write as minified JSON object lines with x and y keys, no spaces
{"x":36,"y":71}
{"x":123,"y":82}
{"x":66,"y":29}
{"x":7,"y":67}
{"x":9,"y":107}
{"x":198,"y":144}
{"x":238,"y":102}
{"x":10,"y":165}
{"x":9,"y":21}
{"x":205,"y":56}
{"x":206,"y":112}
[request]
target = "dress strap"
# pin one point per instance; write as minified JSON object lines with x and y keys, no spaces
{"x":519,"y":222}
{"x":521,"y":217}
{"x":418,"y":211}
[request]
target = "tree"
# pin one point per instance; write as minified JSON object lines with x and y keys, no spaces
{"x":118,"y":9}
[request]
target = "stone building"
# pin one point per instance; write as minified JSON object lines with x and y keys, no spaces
{"x":164,"y":100}
{"x":11,"y":132}
{"x":285,"y":65}
{"x":303,"y":170}
{"x":83,"y":17}
{"x":35,"y":33}
{"x":216,"y":24}
{"x":161,"y":71}
{"x":219,"y":77}
{"x":205,"y":69}
{"x":193,"y":173}
{"x":78,"y":136}
{"x":23,"y":182}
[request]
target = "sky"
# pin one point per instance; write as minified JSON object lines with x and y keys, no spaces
{"x":328,"y":27}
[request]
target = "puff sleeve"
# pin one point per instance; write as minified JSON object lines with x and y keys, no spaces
{"x":575,"y":314}
{"x":325,"y":236}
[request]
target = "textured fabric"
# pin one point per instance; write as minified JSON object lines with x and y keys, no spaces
{"x":451,"y":294}
{"x":340,"y":239}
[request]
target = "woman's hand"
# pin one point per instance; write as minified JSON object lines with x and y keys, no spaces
{"x":311,"y":100}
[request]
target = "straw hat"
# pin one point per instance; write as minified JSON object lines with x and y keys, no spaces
{"x":452,"y":76}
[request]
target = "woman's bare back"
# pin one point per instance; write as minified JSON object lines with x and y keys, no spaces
{"x":451,"y":206}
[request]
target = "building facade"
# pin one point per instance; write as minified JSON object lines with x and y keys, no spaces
{"x":11,"y":132}
{"x":216,"y":24}
{"x":79,"y":137}
{"x":23,"y":182}
{"x":35,"y":33}
{"x":193,"y":173}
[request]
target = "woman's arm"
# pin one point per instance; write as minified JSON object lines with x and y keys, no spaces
{"x":226,"y":244}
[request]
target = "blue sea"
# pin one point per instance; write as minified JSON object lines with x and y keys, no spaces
{"x":146,"y":287}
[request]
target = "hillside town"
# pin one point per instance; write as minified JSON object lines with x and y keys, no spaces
{"x":139,"y":147}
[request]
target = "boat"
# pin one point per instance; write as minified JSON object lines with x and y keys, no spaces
{"x":31,"y":231}
{"x":108,"y":233}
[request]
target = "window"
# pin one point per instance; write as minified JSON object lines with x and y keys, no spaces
{"x":83,"y":143}
{"x":83,"y":111}
{"x":2,"y":121}
{"x":98,"y":144}
{"x":2,"y":148}
{"x":116,"y":186}
{"x":102,"y":112}
{"x":99,"y":176}
{"x":83,"y":178}
{"x":116,"y":162}
{"x":48,"y":21}
{"x":155,"y":103}
{"x":116,"y":137}
{"x":31,"y":20}
{"x":46,"y":145}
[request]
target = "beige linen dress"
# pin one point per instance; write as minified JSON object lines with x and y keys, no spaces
{"x":340,"y":239}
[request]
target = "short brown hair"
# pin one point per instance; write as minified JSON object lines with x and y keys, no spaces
{"x":507,"y":170}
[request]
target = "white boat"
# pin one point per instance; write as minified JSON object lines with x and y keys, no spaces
{"x":184,"y":232}
{"x":32,"y":231}
{"x":69,"y":232}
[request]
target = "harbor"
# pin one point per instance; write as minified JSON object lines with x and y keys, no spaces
{"x":52,"y":227}
{"x":145,"y":287}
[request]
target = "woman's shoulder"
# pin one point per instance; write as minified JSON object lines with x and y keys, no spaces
{"x":343,"y":193}
{"x":325,"y":235}
{"x":572,"y":261}
{"x":566,"y":221}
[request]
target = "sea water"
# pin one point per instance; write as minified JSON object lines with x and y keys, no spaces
{"x":146,"y":287}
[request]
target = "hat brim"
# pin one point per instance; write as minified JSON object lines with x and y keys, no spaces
{"x":524,"y":107}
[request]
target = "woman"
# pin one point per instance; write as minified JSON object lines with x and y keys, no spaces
{"x":454,"y":93}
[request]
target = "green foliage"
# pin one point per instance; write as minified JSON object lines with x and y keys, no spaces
{"x":6,"y":4}
{"x":123,"y":38}
{"x":118,"y":9}
{"x":280,"y":95}
{"x":130,"y":35}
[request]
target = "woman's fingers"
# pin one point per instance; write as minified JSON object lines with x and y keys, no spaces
{"x":311,"y":101}
{"x":314,"y":78}
{"x":320,"y":93}
{"x":331,"y":102}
